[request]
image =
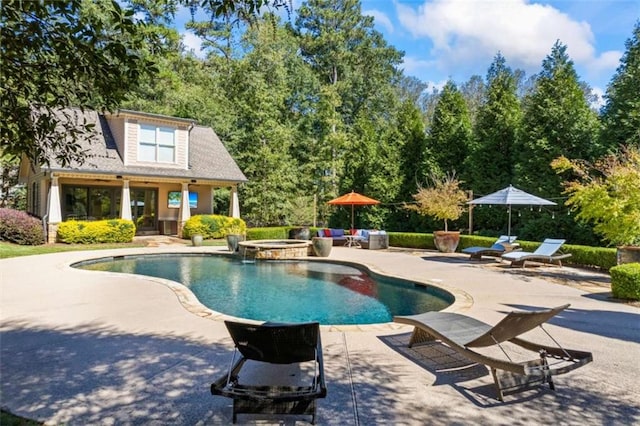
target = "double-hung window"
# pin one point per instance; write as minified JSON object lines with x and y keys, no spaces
{"x":157,"y":144}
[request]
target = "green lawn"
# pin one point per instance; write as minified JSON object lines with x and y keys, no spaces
{"x":8,"y":419}
{"x":14,"y":250}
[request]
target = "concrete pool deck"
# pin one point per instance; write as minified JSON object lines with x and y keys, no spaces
{"x":84,"y":347}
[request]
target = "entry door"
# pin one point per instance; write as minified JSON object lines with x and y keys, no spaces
{"x":144,"y":209}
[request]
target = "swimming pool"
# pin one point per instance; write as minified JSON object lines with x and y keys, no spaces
{"x":285,"y":291}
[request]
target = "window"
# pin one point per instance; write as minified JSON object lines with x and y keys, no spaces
{"x":35,"y":199}
{"x":156,"y":144}
{"x":91,"y":203}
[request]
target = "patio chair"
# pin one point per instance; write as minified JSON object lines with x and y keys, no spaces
{"x":504,"y":244}
{"x":547,"y":252}
{"x":463,"y":333}
{"x":271,"y":343}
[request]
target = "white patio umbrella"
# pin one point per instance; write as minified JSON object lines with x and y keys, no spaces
{"x":511,"y":196}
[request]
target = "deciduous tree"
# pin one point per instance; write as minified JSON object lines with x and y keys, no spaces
{"x":61,"y":54}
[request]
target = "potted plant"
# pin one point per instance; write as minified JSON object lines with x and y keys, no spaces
{"x":443,"y":200}
{"x":236,"y":232}
{"x":606,"y":194}
{"x":321,"y":246}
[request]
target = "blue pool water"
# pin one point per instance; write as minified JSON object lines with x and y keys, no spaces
{"x":295,"y":291}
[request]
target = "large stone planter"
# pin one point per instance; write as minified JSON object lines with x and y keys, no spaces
{"x":446,"y":241}
{"x":233,"y":240}
{"x":628,"y":254}
{"x":196,"y":240}
{"x":322,"y":246}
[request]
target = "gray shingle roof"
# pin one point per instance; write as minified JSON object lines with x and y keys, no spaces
{"x":208,"y":158}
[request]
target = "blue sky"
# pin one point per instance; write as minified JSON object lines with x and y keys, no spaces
{"x":456,"y":39}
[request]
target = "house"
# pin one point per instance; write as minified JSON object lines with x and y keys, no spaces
{"x":155,"y":170}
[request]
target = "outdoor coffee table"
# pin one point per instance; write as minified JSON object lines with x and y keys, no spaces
{"x":352,"y":241}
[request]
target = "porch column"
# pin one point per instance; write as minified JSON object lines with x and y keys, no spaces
{"x":234,"y":203}
{"x":55,"y":212}
{"x":185,"y":212}
{"x":125,"y":201}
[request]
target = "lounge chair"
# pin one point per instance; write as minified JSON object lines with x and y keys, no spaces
{"x":462,"y":333}
{"x":274,"y":344}
{"x":545,"y":253}
{"x":504,"y":244}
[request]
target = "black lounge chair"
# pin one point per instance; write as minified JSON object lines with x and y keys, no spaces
{"x":274,"y":344}
{"x":503,"y":245}
{"x":462,"y":333}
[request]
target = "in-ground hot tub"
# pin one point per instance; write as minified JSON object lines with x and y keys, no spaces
{"x":274,"y":249}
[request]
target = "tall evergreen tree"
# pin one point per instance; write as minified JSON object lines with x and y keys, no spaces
{"x":490,"y":163}
{"x":557,"y":120}
{"x":351,"y":57}
{"x":260,"y":87}
{"x":450,"y":132}
{"x":491,"y":159}
{"x":621,"y":113}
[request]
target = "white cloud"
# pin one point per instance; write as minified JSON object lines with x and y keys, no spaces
{"x":380,"y":18}
{"x":606,"y":61}
{"x":463,"y":31}
{"x":413,"y":66}
{"x":193,"y":43}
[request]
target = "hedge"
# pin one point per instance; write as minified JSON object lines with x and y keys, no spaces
{"x":593,"y":257}
{"x":19,"y":227}
{"x":99,"y":231}
{"x":271,"y":233}
{"x":212,"y":226}
{"x":625,"y":281}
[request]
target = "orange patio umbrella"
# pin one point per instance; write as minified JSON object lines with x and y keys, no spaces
{"x":353,"y":199}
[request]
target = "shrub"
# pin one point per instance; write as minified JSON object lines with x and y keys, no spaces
{"x":99,"y":231}
{"x":20,"y":228}
{"x":625,"y":281}
{"x":443,"y":200}
{"x":411,"y":240}
{"x":212,"y":226}
{"x":275,"y":233}
{"x":606,"y":194}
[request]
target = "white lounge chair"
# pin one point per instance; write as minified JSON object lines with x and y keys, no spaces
{"x":546,"y":253}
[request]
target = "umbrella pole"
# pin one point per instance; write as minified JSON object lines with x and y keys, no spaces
{"x":509,"y":228}
{"x":352,"y":216}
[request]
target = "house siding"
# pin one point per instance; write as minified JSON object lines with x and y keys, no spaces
{"x":130,"y":149}
{"x":201,"y":162}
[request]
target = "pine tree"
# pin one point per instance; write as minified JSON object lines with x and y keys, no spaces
{"x":557,"y":120}
{"x":621,"y":113}
{"x":450,"y":132}
{"x":495,"y":132}
{"x":490,"y":162}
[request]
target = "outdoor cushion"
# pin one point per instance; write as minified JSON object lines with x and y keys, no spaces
{"x":337,"y":232}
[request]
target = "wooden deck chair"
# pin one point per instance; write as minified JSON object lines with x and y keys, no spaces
{"x":272,"y":343}
{"x":547,"y":252}
{"x":503,"y":245}
{"x":463,"y":333}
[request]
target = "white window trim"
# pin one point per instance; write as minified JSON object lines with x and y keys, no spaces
{"x":157,"y":145}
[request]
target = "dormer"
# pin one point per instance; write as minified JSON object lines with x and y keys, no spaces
{"x":151,"y":140}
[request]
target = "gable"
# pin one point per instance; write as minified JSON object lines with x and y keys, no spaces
{"x":112,"y":148}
